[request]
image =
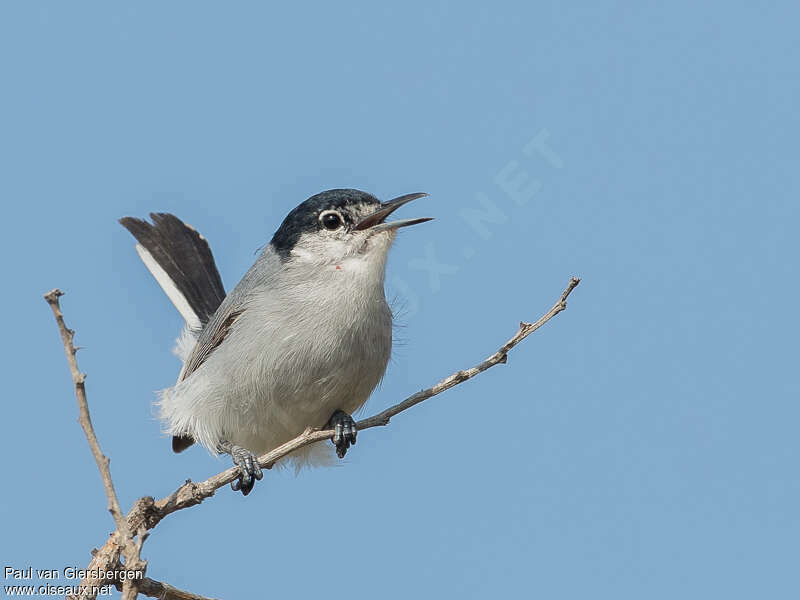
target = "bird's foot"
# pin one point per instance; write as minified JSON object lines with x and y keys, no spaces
{"x":249,"y":469}
{"x":344,"y":432}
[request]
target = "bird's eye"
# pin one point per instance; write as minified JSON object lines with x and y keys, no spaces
{"x":331,"y":220}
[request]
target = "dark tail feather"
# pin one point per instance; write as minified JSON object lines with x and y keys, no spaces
{"x":185,"y":257}
{"x":181,"y":443}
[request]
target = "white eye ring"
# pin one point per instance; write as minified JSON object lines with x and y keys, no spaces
{"x":331,"y":219}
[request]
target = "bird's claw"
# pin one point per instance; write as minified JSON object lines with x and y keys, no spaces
{"x":344,"y":432}
{"x":249,"y":469}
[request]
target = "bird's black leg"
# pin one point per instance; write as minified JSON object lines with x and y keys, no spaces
{"x":344,"y":432}
{"x":249,"y":469}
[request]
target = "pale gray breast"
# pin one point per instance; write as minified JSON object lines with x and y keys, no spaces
{"x":306,"y":347}
{"x":334,"y":360}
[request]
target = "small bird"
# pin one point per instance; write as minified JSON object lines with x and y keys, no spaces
{"x":301,"y":341}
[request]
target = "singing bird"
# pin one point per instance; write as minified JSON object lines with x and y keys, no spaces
{"x":302,"y":340}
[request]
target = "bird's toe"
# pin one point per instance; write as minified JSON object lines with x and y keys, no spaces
{"x":249,"y":470}
{"x":344,"y":432}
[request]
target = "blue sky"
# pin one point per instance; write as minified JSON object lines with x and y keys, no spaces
{"x":643,"y":444}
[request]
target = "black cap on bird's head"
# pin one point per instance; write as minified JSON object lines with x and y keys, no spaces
{"x":340,"y":213}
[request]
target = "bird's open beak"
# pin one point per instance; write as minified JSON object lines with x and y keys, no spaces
{"x":375,"y":221}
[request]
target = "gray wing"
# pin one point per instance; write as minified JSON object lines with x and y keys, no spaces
{"x":231,"y":309}
{"x":210,"y":339}
{"x":219,"y":326}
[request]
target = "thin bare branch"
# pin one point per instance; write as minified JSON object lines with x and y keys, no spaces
{"x":164,"y":591}
{"x":146,"y":513}
{"x":131,"y":550}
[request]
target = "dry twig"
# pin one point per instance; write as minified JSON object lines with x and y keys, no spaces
{"x":163,"y":591}
{"x":130,"y":549}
